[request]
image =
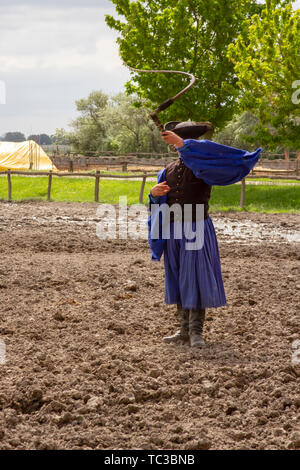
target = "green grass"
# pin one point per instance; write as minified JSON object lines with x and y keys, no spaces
{"x":260,"y":198}
{"x":72,"y":189}
{"x":137,"y":173}
{"x":141,"y":172}
{"x":271,"y":180}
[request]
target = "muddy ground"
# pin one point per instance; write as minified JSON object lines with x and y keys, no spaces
{"x":82,"y":321}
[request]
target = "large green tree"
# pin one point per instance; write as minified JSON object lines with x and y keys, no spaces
{"x":128,"y":129}
{"x":114,"y":124}
{"x":186,"y":35}
{"x":89,"y":128}
{"x":267,"y":64}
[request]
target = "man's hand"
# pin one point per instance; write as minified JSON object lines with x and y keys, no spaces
{"x":160,"y":189}
{"x":172,"y":139}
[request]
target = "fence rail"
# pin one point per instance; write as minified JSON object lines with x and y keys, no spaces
{"x":99,"y":176}
{"x":126,"y":162}
{"x":54,"y":149}
{"x":96,"y":175}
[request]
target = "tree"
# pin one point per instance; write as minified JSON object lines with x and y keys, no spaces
{"x":267,"y":65}
{"x":240,"y":132}
{"x":186,"y":35}
{"x":129,"y":129}
{"x":89,"y":128}
{"x":14,"y":137}
{"x":61,"y":137}
{"x":114,"y":124}
{"x":41,"y":139}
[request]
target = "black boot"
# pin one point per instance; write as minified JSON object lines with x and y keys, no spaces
{"x":196,"y":321}
{"x":183,"y":333}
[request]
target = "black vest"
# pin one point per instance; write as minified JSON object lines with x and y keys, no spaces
{"x":186,"y":188}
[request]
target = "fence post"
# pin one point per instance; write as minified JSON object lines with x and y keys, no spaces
{"x":71,"y":166}
{"x":243,"y":190}
{"x":142,"y":189}
{"x":297,"y":162}
{"x":49,"y":185}
{"x":9,"y":184}
{"x":287,"y":158}
{"x":97,"y":180}
{"x":124,"y":166}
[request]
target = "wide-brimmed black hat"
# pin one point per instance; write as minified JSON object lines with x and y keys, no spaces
{"x":189,"y":129}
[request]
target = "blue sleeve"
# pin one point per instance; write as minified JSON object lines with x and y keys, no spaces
{"x":217,"y":164}
{"x":154,"y":200}
{"x":156,"y":245}
{"x":161,"y":176}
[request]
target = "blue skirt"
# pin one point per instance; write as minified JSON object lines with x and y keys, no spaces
{"x":193,"y":277}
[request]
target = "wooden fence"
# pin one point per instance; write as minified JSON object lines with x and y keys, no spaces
{"x":97,"y":177}
{"x":127,"y":163}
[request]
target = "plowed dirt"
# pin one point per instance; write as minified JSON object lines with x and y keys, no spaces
{"x":82,"y":321}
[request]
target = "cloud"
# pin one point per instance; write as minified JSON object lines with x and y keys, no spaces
{"x":105,"y":56}
{"x":58,"y":3}
{"x":52,"y":54}
{"x":35,"y":31}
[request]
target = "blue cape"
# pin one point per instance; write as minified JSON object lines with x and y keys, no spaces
{"x":215,"y":164}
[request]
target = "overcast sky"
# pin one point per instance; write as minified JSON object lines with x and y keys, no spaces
{"x":53,"y":52}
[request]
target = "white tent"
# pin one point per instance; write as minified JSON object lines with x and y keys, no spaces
{"x":26,"y":155}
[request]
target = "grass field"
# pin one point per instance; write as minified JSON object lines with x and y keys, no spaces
{"x":260,"y":198}
{"x":273,"y":180}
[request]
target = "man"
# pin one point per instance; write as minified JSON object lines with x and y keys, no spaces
{"x":193,"y":278}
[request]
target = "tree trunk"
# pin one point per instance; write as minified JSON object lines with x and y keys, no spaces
{"x":287,"y":158}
